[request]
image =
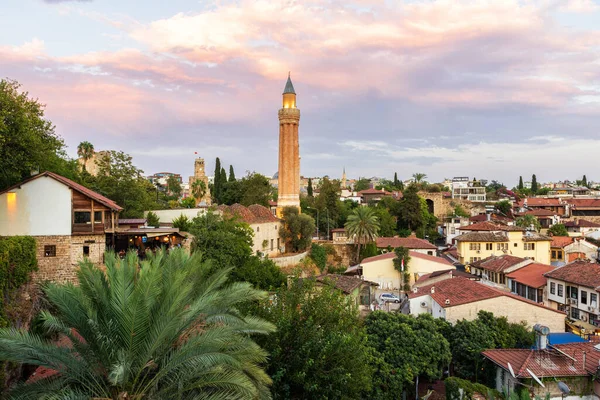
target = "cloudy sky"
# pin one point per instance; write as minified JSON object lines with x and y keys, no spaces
{"x":487,"y":88}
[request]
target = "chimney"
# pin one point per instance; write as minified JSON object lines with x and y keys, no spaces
{"x":541,"y":336}
{"x":433,"y":289}
{"x":488,"y":216}
{"x":447,"y":302}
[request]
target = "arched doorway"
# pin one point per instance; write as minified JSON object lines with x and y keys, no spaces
{"x":430,"y":206}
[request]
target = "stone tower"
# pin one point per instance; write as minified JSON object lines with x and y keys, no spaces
{"x":200,"y":176}
{"x":344,"y":179}
{"x":289,"y":151}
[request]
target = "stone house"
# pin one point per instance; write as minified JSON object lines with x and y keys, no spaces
{"x":68,"y":221}
{"x":361,"y":292}
{"x":485,"y":239}
{"x":461,"y":298}
{"x":581,"y":227}
{"x":574,"y":289}
{"x":380,"y":269}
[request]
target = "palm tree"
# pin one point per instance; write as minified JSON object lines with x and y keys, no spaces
{"x":166,"y":327}
{"x":364,"y":225}
{"x":85,"y":151}
{"x":198,"y":189}
{"x":419,"y":177}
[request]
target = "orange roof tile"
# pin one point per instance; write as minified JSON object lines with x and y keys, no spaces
{"x":561,"y":241}
{"x":411,"y":242}
{"x":531,"y":275}
{"x":579,"y":272}
{"x":498,"y":263}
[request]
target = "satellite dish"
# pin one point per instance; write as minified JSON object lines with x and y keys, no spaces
{"x":564,"y":389}
{"x":512,"y":372}
{"x":535,"y":378}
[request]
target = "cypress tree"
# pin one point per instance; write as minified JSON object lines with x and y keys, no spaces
{"x":223,"y":179}
{"x":231,"y":174}
{"x":534,"y":185}
{"x":217,"y":182}
{"x":396,"y":183}
{"x":310,"y":188}
{"x":584,"y":181}
{"x":520,"y":183}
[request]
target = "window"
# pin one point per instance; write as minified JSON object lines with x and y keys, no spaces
{"x":272,"y":241}
{"x":50,"y":250}
{"x":258,"y":229}
{"x":593,"y":300}
{"x":98,"y":217}
{"x":430,"y":253}
{"x":278,"y":243}
{"x":560,"y":290}
{"x":515,"y":244}
{"x":86,"y":251}
{"x":553,"y":256}
{"x":474,"y":246}
{"x":82,"y":217}
{"x":488,"y":246}
{"x":574,"y":312}
{"x":502,"y":246}
{"x":583,"y":297}
{"x":559,"y":255}
{"x":552,"y":288}
{"x":529,"y":246}
{"x":452,"y":230}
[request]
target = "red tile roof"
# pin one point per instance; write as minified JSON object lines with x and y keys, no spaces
{"x":416,"y":254}
{"x":540,"y":202}
{"x":584,"y":203}
{"x":374,"y":191}
{"x":487,"y":226}
{"x":531,"y":275}
{"x":73,"y":185}
{"x":581,"y":223}
{"x":461,"y":290}
{"x":345,"y":283}
{"x":539,"y":212}
{"x":561,"y":241}
{"x":254,"y":214}
{"x":411,"y":242}
{"x":549,"y":362}
{"x":498,"y":263}
{"x":579,"y":272}
{"x":482,"y":237}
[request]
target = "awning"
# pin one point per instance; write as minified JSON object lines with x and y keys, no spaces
{"x":151,"y":235}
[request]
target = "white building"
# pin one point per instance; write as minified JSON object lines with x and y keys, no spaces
{"x":465,"y":189}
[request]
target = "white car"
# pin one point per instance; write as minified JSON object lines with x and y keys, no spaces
{"x":389,"y":297}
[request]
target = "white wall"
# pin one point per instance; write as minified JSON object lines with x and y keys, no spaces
{"x":167,"y":216}
{"x":41,"y":207}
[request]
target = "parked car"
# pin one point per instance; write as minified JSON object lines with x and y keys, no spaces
{"x":389,"y":297}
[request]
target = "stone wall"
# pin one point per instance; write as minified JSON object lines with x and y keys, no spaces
{"x":443,"y":206}
{"x":62,"y":266}
{"x":288,"y":261}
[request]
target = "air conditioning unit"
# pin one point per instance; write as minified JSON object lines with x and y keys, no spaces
{"x":572,"y":301}
{"x":584,"y":318}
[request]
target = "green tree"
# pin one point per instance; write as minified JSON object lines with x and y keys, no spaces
{"x":255,"y":189}
{"x":121,"y":181}
{"x":411,"y":216}
{"x":223,"y":178}
{"x":183,"y":223}
{"x":85,"y":150}
{"x":362,"y":184}
{"x":27,"y":140}
{"x":188,"y":202}
{"x":328,"y":203}
{"x":262,"y":273}
{"x":401,"y":264}
{"x":216,"y":189}
{"x":558,"y":230}
{"x":297,"y":229}
{"x":232,"y":193}
{"x":396,"y":181}
{"x":459,"y":211}
{"x":174,"y":186}
{"x":152,"y":219}
{"x":411,"y":347}
{"x":309,"y":190}
{"x":387,"y":223}
{"x":364,"y":226}
{"x":319,"y":350}
{"x":528,"y":221}
{"x":198,"y":190}
{"x":225,"y":240}
{"x":419,"y":177}
{"x":534,"y":184}
{"x":521,"y":186}
{"x":345,"y":208}
{"x":231,"y":174}
{"x":504,"y":207}
{"x":163,"y":328}
{"x":318,"y":254}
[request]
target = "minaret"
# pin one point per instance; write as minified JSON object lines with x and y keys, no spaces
{"x":289,"y":151}
{"x":344,"y":179}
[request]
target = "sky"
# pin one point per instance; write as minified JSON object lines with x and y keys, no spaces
{"x":491,"y":89}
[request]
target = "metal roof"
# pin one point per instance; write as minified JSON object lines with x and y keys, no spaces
{"x":289,"y":88}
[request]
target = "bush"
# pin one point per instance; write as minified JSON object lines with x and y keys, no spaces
{"x":152,"y":219}
{"x":454,"y":386}
{"x":183,"y":223}
{"x":319,"y":256}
